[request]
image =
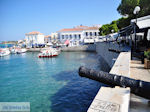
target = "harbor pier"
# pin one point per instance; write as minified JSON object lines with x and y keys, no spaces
{"x":119,"y":99}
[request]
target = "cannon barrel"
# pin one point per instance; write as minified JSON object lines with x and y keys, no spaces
{"x":138,"y":87}
{"x":115,"y":50}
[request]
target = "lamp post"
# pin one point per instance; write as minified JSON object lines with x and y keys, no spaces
{"x":135,"y":12}
{"x":112,"y":34}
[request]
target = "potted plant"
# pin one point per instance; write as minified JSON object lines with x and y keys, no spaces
{"x":147,"y":59}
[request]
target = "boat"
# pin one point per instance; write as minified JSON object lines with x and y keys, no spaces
{"x":21,"y":50}
{"x":13,"y":50}
{"x":48,"y":54}
{"x":4,"y":52}
{"x":17,"y":50}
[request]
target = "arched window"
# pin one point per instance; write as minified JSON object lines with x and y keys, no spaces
{"x":66,"y":36}
{"x":86,"y":33}
{"x":62,"y":36}
{"x":75,"y":36}
{"x":70,"y":36}
{"x":90,"y":33}
{"x":79,"y":36}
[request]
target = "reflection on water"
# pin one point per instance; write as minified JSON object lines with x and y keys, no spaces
{"x":49,"y":84}
{"x":5,"y":57}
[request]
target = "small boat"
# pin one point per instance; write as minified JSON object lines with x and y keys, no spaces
{"x":17,"y":50}
{"x":50,"y":49}
{"x":13,"y":50}
{"x":4,"y":52}
{"x":22,"y":50}
{"x":48,"y":54}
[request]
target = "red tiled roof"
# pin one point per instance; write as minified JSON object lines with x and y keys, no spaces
{"x":34,"y":33}
{"x":92,"y":28}
{"x":47,"y":36}
{"x":81,"y":26}
{"x":70,"y":29}
{"x":78,"y":28}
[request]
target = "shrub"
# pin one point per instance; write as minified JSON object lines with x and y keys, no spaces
{"x":147,"y":54}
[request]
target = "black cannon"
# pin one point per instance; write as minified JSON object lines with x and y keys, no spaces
{"x":115,"y":50}
{"x":138,"y":87}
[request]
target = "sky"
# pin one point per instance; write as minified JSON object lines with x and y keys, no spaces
{"x":18,"y":17}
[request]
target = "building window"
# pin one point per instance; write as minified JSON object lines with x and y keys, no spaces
{"x":90,"y":33}
{"x":79,"y":36}
{"x":62,"y":36}
{"x":86,"y":33}
{"x":95,"y":34}
{"x":75,"y":36}
{"x":66,"y":36}
{"x":70,"y":36}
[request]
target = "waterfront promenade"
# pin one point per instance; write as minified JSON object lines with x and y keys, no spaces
{"x":86,"y":48}
{"x":120,"y":99}
{"x":137,"y":71}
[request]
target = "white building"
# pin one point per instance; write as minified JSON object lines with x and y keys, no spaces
{"x":47,"y":39}
{"x":78,"y":34}
{"x":34,"y":39}
{"x":54,"y":37}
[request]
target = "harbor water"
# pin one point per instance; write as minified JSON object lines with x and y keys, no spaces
{"x":49,"y":84}
{"x":6,"y":45}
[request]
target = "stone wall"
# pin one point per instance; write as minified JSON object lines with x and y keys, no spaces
{"x":105,"y":56}
{"x":87,"y":48}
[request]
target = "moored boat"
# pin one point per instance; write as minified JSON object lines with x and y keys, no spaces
{"x":22,"y":50}
{"x":13,"y":50}
{"x":17,"y":50}
{"x":4,"y":52}
{"x":48,"y":54}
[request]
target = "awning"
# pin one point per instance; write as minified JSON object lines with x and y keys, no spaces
{"x":67,"y":42}
{"x":142,"y":22}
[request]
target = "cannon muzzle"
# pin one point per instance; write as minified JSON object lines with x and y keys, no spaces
{"x":138,"y":87}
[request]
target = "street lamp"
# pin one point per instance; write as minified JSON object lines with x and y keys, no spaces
{"x":112,"y":30}
{"x":135,"y":12}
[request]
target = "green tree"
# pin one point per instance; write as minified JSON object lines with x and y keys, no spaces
{"x":126,"y":7}
{"x":145,"y":7}
{"x":113,"y":26}
{"x":104,"y":30}
{"x":123,"y":22}
{"x":107,"y":28}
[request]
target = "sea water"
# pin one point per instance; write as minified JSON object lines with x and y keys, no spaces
{"x":6,"y":45}
{"x":49,"y":84}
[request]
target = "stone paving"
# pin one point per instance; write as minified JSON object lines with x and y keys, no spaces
{"x":111,"y":100}
{"x":137,"y":71}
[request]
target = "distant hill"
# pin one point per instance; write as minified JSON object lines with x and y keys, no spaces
{"x":9,"y":42}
